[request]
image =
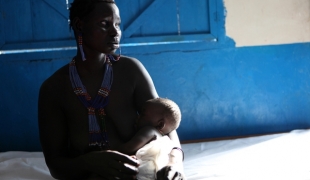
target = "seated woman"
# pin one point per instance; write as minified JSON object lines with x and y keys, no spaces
{"x":91,"y":104}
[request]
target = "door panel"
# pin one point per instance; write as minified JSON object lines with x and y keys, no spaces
{"x":167,"y":21}
{"x":194,"y":17}
{"x":37,"y":23}
{"x":16,"y":21}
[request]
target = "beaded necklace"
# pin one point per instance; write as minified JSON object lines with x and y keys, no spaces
{"x":97,"y":136}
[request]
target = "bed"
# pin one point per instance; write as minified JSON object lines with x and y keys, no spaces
{"x":284,"y":156}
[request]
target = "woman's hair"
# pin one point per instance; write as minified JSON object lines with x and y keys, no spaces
{"x":172,"y":111}
{"x":81,"y":8}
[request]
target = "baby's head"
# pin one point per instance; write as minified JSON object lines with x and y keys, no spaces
{"x":161,"y":113}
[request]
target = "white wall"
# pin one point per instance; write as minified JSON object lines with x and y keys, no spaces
{"x":266,"y":22}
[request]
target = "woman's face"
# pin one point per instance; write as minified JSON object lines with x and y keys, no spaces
{"x":101,"y":28}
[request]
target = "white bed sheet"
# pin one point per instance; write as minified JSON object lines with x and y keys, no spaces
{"x":271,"y":157}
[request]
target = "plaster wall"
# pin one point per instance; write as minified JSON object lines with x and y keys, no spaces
{"x":267,"y":22}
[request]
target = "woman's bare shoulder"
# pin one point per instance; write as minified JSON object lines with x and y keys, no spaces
{"x":128,"y":59}
{"x":57,"y":79}
{"x":129,"y":62}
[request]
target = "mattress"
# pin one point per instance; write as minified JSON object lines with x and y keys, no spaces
{"x":284,"y":156}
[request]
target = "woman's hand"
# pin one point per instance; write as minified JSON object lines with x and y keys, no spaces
{"x":169,"y":173}
{"x":111,"y":164}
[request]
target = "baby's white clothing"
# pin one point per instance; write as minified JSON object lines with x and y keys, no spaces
{"x":153,"y":156}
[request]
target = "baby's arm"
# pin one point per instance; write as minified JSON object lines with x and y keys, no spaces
{"x":141,"y":138}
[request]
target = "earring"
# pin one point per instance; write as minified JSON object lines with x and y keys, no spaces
{"x":80,"y":40}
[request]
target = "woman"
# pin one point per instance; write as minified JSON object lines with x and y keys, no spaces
{"x":73,"y":143}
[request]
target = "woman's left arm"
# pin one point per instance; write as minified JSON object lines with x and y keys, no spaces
{"x":145,"y":90}
{"x":144,"y":86}
{"x":174,"y":169}
{"x":176,"y":152}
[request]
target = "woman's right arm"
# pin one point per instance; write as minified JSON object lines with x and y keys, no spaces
{"x":54,"y":137}
{"x":53,"y":132}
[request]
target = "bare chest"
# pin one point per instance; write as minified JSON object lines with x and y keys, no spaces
{"x":120,"y":110}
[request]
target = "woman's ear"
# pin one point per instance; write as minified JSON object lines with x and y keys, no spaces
{"x":77,"y":25}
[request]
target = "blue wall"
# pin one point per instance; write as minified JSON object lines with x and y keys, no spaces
{"x":221,"y":92}
{"x":236,"y":91}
